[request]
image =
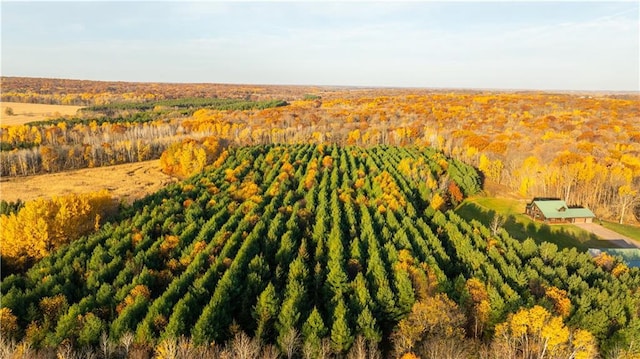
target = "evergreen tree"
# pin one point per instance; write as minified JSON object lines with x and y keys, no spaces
{"x":341,"y":335}
{"x":265,"y":312}
{"x":367,"y":325}
{"x":313,"y":331}
{"x":406,"y":295}
{"x":361,"y":296}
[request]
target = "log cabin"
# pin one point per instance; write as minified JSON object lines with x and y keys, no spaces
{"x":557,"y":211}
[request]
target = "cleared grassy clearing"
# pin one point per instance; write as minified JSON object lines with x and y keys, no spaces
{"x":521,"y":226}
{"x":630,"y":231}
{"x":126,"y":182}
{"x":29,"y":112}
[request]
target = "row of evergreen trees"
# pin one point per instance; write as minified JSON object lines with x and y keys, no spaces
{"x":308,"y":243}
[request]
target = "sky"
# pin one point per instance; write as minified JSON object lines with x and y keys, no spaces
{"x":491,"y":45}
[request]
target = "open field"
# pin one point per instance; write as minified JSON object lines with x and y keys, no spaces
{"x":521,"y":226}
{"x":29,"y":112}
{"x":126,"y":182}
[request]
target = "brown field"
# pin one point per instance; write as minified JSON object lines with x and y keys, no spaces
{"x":126,"y":182}
{"x":29,"y":112}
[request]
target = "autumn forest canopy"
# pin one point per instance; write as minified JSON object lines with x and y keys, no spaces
{"x":316,"y":222}
{"x":583,"y":148}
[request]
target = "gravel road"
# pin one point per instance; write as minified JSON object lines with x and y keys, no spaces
{"x":609,"y":235}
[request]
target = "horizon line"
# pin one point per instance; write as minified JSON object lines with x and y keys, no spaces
{"x":358,"y":87}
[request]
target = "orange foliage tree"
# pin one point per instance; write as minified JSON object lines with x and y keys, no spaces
{"x":561,"y":303}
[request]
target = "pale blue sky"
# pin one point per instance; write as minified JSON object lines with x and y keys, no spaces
{"x":501,"y":45}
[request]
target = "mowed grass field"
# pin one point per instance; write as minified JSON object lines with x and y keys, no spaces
{"x":624,"y":229}
{"x":29,"y":112}
{"x":126,"y":182}
{"x":520,"y":226}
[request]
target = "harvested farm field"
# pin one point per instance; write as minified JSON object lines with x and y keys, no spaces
{"x":30,"y":112}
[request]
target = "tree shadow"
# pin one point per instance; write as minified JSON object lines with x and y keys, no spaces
{"x":522,"y":228}
{"x":621,"y":243}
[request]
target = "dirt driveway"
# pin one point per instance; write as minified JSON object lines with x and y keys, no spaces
{"x":608,"y":235}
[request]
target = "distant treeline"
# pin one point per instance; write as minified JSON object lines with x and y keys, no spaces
{"x":186,"y":106}
{"x":223,"y":104}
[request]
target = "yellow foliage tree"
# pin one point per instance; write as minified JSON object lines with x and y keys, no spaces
{"x":248,"y":191}
{"x":583,"y":345}
{"x":432,"y":317}
{"x":627,"y":196}
{"x":561,"y":302}
{"x":480,"y":308}
{"x":170,"y":243}
{"x":45,"y":224}
{"x":189,"y":157}
{"x":619,"y":269}
{"x":353,"y":137}
{"x":491,"y":169}
{"x":327,"y":161}
{"x":527,"y":174}
{"x":437,"y":201}
{"x":409,"y":355}
{"x":53,"y":307}
{"x":536,"y":333}
{"x":137,"y":291}
{"x":605,"y":261}
{"x":8,"y":323}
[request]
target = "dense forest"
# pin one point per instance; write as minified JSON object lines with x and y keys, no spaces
{"x":583,"y":148}
{"x":317,"y":251}
{"x":95,"y":93}
{"x":315,"y":222}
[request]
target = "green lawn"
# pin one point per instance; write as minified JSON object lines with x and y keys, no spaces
{"x":520,"y":226}
{"x":632,"y":232}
